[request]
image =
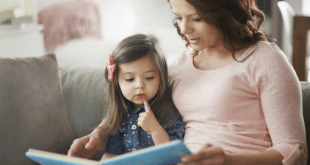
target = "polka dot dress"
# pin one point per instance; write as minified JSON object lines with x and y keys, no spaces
{"x":130,"y":137}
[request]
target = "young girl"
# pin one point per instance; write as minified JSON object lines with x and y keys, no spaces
{"x":138,"y":108}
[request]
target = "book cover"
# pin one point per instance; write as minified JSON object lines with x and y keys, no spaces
{"x":167,"y":153}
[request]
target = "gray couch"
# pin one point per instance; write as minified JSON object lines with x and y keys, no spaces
{"x":46,"y":106}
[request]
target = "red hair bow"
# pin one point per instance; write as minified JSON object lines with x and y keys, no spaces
{"x":111,"y":68}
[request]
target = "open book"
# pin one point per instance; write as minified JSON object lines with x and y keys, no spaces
{"x":161,"y":154}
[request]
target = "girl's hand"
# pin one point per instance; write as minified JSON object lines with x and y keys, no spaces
{"x":147,"y":119}
{"x":207,"y":155}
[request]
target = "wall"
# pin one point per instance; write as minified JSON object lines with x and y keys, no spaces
{"x":305,"y":7}
{"x":297,"y":5}
{"x":119,"y":19}
{"x":28,"y":5}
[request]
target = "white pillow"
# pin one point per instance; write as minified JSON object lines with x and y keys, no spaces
{"x":84,"y":51}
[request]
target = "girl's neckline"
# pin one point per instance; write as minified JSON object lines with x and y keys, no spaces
{"x":246,"y":53}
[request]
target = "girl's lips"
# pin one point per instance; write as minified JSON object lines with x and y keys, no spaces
{"x":140,"y":95}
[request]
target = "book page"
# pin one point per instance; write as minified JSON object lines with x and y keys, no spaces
{"x":45,"y":157}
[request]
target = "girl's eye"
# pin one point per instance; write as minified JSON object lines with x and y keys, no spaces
{"x":149,"y":78}
{"x":196,"y":19}
{"x":129,"y":79}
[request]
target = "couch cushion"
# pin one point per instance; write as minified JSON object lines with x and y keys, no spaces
{"x":84,"y":91}
{"x":32,"y":109}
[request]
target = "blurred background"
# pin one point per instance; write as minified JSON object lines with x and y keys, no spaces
{"x":86,"y":31}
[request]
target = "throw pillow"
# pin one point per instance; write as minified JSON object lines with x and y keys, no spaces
{"x":70,"y":19}
{"x":32,"y":109}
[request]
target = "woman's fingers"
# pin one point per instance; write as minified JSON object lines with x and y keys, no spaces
{"x":207,"y":155}
{"x":201,"y":154}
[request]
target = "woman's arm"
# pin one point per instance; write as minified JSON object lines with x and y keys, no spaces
{"x":280,"y":94}
{"x":214,"y":155}
{"x":86,"y":146}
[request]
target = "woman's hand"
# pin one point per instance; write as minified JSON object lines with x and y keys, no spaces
{"x":147,"y":119}
{"x":84,"y":147}
{"x":207,"y":155}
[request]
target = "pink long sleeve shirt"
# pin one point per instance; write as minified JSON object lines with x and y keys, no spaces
{"x":246,"y":107}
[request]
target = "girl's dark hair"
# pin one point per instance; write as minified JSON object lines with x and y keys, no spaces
{"x":239,"y":21}
{"x":131,"y":49}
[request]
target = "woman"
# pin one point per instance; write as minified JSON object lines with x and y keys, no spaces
{"x":238,"y":95}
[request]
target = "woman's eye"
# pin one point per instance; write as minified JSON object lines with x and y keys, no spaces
{"x":149,"y":78}
{"x":129,"y":79}
{"x":178,"y":18}
{"x":196,"y":19}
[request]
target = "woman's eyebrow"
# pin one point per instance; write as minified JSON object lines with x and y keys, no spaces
{"x":186,"y":15}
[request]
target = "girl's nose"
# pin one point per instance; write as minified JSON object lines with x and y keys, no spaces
{"x":140,"y":84}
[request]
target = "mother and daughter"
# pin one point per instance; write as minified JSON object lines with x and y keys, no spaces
{"x":238,"y":95}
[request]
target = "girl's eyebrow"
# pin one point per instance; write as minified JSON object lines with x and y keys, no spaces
{"x":143,"y":72}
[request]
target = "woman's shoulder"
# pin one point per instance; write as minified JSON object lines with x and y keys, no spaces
{"x":269,"y":60}
{"x":179,"y":58}
{"x":268,"y":50}
{"x":266,"y":53}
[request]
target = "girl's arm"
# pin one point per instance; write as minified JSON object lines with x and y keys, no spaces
{"x":160,"y":135}
{"x":149,"y":123}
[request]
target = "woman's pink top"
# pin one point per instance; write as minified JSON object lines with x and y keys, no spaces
{"x":246,"y":107}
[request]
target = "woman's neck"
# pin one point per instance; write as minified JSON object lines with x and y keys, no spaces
{"x":215,"y":57}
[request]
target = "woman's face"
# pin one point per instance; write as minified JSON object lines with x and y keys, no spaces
{"x":200,"y":34}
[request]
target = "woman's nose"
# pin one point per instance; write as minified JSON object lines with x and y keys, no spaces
{"x":185,"y":27}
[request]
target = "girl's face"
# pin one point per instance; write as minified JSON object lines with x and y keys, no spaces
{"x":200,"y":34}
{"x":139,"y":79}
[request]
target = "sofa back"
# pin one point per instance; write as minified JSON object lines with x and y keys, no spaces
{"x":84,"y":91}
{"x":305,"y":86}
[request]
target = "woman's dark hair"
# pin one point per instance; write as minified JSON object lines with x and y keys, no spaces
{"x":239,"y":21}
{"x":131,"y":49}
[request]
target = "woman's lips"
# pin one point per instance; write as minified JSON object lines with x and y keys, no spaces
{"x":194,"y":41}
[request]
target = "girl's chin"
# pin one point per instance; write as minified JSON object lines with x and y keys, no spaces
{"x":137,"y":106}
